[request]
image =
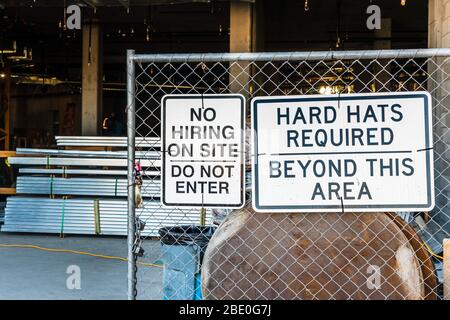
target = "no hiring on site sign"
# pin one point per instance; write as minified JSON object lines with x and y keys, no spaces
{"x":358,"y":152}
{"x":203,"y":150}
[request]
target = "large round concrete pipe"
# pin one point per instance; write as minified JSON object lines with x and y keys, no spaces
{"x":316,"y":256}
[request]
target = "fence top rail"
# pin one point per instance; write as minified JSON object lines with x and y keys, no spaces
{"x":291,"y":56}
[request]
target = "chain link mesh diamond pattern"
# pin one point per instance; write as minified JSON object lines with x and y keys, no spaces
{"x":294,"y":256}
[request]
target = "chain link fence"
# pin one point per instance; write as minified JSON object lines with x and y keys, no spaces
{"x":287,"y":256}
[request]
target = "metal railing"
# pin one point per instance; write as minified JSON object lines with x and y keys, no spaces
{"x":150,"y":77}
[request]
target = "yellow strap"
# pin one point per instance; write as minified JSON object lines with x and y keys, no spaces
{"x":202,"y":216}
{"x":432,"y":252}
{"x":97,"y":216}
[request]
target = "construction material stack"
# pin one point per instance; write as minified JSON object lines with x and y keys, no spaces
{"x":81,"y":188}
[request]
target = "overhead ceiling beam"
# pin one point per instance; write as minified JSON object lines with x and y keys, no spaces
{"x":89,"y":3}
{"x":125,"y":3}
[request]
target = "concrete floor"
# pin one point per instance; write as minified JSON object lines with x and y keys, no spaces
{"x":35,"y":274}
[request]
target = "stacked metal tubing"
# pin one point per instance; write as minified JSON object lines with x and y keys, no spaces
{"x":49,"y":201}
{"x":83,"y":186}
{"x":84,"y":141}
{"x":76,"y":216}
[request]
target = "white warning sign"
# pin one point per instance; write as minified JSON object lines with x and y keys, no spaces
{"x":203,"y":150}
{"x":352,"y":152}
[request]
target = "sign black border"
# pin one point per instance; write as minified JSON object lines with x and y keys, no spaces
{"x":163,"y":148}
{"x":262,"y":100}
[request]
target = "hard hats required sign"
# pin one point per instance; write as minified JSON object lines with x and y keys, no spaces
{"x":352,"y":152}
{"x":203,"y":150}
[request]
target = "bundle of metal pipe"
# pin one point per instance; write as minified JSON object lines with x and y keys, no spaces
{"x":78,"y":216}
{"x":97,"y":172}
{"x":89,"y":154}
{"x":103,"y":174}
{"x":85,"y":141}
{"x":82,"y":186}
{"x":81,"y":162}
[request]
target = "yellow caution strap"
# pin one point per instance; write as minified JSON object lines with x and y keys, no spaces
{"x":98,"y":229}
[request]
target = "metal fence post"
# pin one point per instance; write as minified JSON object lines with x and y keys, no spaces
{"x":130,"y":179}
{"x":446,"y":268}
